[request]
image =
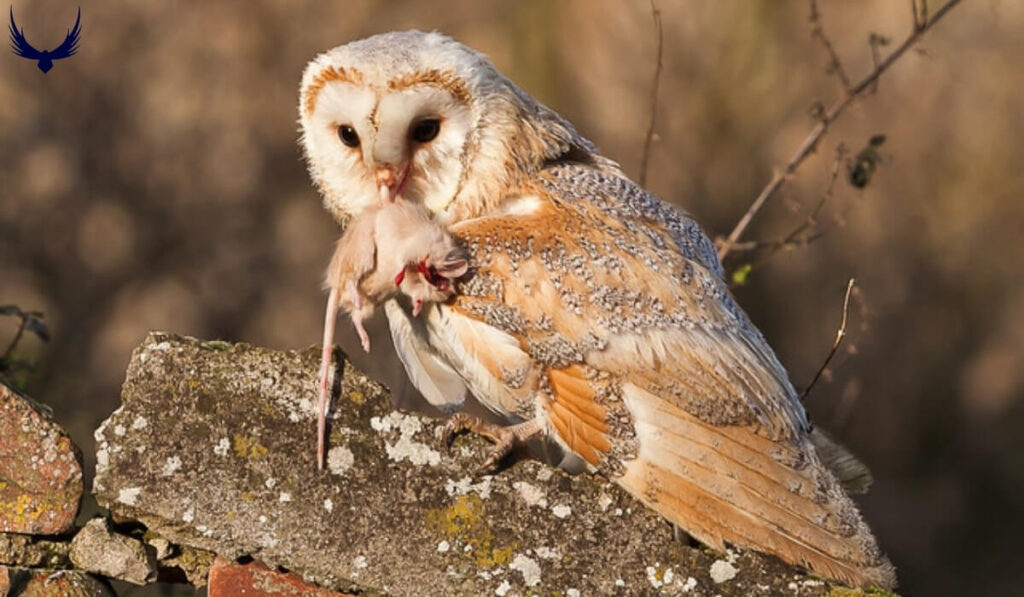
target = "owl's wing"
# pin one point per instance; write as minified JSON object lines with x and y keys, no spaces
{"x":580,"y":276}
{"x":596,"y":310}
{"x":436,"y":381}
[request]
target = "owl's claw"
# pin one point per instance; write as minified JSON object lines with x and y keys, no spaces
{"x":504,"y":438}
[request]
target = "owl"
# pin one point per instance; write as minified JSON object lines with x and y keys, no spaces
{"x":593,"y":315}
{"x":390,"y":248}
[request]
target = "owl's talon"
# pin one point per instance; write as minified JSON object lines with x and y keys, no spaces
{"x":454,"y":426}
{"x":504,"y":438}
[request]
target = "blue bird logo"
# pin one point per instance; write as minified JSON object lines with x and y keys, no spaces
{"x":21,"y":47}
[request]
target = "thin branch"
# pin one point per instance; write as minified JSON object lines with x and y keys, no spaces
{"x":920,"y":12}
{"x":811,"y":142}
{"x":840,"y":334}
{"x":4,"y":360}
{"x":800,"y":235}
{"x":649,"y":133}
{"x":835,"y":63}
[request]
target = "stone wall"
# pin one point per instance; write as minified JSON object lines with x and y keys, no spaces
{"x":207,"y":472}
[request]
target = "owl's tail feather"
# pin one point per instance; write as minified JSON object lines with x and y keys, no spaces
{"x":732,"y":485}
{"x":853,"y":475}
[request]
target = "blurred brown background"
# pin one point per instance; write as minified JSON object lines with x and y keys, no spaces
{"x":153,"y":181}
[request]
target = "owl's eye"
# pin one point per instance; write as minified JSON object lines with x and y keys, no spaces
{"x":425,"y":130}
{"x":348,"y":135}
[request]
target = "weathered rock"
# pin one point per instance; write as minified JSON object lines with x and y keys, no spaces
{"x":33,"y":552}
{"x":40,"y":470}
{"x":163,"y":548}
{"x":34,"y":582}
{"x":193,"y":564}
{"x":228,"y":579}
{"x":99,"y":550}
{"x":214,"y":447}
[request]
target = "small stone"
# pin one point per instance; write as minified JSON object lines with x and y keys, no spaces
{"x":164,"y":548}
{"x":195,"y":563}
{"x":40,"y":470}
{"x":256,"y":580}
{"x":99,"y":550}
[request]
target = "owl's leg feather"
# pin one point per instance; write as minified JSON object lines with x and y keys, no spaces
{"x":325,"y":366}
{"x":504,"y":438}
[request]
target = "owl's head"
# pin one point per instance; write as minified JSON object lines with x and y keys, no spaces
{"x":420,"y":115}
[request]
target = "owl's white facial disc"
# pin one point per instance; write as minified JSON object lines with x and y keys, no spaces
{"x":425,"y":129}
{"x":408,"y":133}
{"x":338,"y":169}
{"x":490,"y":135}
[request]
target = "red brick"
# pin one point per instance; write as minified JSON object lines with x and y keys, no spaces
{"x":228,"y":579}
{"x":40,"y":470}
{"x":34,"y":582}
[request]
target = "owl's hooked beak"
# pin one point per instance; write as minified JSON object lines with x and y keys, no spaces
{"x":390,"y":182}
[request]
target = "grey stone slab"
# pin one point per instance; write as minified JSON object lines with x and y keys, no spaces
{"x":214,"y":448}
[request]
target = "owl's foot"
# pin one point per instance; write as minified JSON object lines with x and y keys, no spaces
{"x":504,"y":438}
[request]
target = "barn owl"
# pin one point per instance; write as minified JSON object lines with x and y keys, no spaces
{"x":389,"y":248}
{"x":594,"y":314}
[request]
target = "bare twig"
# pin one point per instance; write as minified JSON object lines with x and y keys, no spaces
{"x":875,"y":43}
{"x":808,"y":230}
{"x":840,"y":334}
{"x":920,"y":12}
{"x":31,"y":321}
{"x":5,"y":358}
{"x":811,"y":142}
{"x":649,"y":133}
{"x":835,"y":63}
